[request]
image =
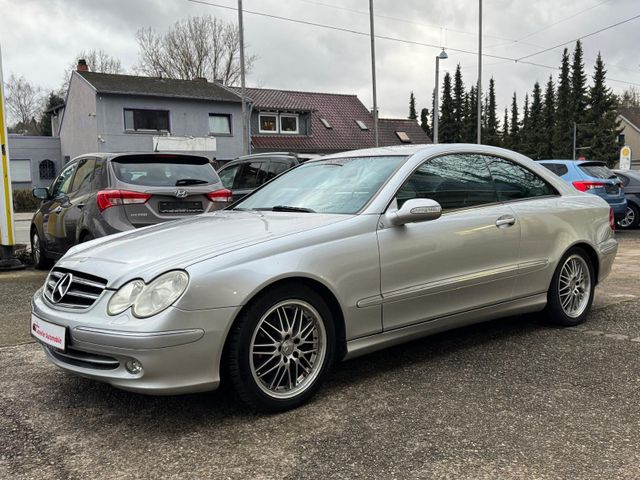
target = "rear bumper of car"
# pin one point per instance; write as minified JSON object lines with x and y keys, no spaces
{"x":178,"y":351}
{"x":619,"y":208}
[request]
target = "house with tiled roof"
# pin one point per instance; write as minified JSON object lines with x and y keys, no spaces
{"x":630,"y":123}
{"x":321,"y":123}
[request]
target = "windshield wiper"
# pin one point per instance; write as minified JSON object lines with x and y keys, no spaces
{"x":286,"y":208}
{"x":189,"y":181}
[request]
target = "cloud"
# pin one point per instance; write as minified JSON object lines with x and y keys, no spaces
{"x":40,"y":39}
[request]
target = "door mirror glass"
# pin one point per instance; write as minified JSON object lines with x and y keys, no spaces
{"x":41,"y":193}
{"x":415,"y":210}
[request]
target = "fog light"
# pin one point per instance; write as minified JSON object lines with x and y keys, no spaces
{"x":133,"y":366}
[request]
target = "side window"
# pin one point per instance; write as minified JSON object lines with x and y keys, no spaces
{"x":514,"y":182}
{"x":454,"y":181}
{"x":251,"y":175}
{"x":228,"y":175}
{"x":63,"y":183}
{"x":84,"y":175}
{"x":99,"y":175}
{"x":276,"y":167}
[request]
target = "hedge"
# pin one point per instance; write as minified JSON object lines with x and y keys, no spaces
{"x":24,"y":201}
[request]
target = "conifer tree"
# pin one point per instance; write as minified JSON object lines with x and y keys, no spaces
{"x":563,"y":126}
{"x":491,"y":136}
{"x":524,"y":127}
{"x":447,"y":126}
{"x":579,"y":94}
{"x":413,"y":115}
{"x":535,"y":134}
{"x":424,"y":122}
{"x":504,"y":135}
{"x":602,"y":113}
{"x":471,"y":116}
{"x":548,"y":120}
{"x":514,"y":132}
{"x":458,"y":104}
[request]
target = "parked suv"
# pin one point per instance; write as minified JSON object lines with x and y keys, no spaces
{"x":244,"y":174}
{"x":100,"y":194}
{"x":592,"y":177}
{"x":631,"y":182}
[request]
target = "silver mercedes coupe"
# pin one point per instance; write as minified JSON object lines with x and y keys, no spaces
{"x":335,"y":258}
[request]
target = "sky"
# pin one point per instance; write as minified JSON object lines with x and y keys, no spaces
{"x":40,"y":39}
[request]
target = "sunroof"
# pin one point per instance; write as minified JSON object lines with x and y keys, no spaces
{"x":362,"y":125}
{"x":404,"y":138}
{"x":325,"y":122}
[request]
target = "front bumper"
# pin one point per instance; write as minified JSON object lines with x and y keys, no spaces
{"x":180,"y":351}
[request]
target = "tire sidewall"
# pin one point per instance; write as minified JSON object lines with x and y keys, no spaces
{"x":554,"y":309}
{"x":43,"y":261}
{"x":636,"y":220}
{"x":239,"y":350}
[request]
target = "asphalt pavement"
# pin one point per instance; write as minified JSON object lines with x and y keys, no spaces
{"x":513,"y":398}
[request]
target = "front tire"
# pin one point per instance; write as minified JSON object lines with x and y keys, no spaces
{"x":281,"y":348}
{"x":631,"y":218}
{"x":38,"y":253}
{"x":572,"y":289}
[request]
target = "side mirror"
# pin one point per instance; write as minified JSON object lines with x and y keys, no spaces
{"x":41,"y":193}
{"x":415,"y":210}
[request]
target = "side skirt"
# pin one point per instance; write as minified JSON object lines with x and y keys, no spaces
{"x":372,"y":343}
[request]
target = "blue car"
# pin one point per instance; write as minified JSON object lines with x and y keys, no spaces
{"x":592,"y":177}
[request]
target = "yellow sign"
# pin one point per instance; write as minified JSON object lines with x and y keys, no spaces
{"x":625,"y":158}
{"x":6,"y":200}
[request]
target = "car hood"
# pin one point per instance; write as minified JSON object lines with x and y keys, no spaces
{"x":149,"y":251}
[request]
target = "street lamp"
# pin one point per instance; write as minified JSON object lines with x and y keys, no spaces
{"x":436,"y":109}
{"x":575,"y":130}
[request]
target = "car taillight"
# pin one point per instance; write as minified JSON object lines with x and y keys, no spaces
{"x":222,"y":195}
{"x":584,"y":186}
{"x":111,"y":198}
{"x":612,"y":219}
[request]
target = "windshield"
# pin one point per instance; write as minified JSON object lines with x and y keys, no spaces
{"x":341,"y":185}
{"x":164,"y":170}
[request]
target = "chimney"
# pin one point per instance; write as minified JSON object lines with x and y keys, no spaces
{"x":82,"y":65}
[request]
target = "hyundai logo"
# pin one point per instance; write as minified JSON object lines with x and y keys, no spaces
{"x":181,"y":193}
{"x":61,"y":288}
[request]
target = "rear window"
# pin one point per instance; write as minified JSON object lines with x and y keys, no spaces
{"x":597,"y":170}
{"x":164,"y":170}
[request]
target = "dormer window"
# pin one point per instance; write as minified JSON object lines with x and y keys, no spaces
{"x":288,"y":123}
{"x":268,"y":123}
{"x":285,"y":123}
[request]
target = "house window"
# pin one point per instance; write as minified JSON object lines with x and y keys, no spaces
{"x":268,"y":123}
{"x":361,"y":124}
{"x":219,"y":124}
{"x":20,"y":170}
{"x":404,"y":138}
{"x":47,"y":169}
{"x":136,"y":120}
{"x":288,"y":123}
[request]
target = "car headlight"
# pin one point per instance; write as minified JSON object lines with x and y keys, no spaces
{"x":148,"y":300}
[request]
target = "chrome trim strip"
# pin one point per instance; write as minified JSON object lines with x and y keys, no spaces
{"x":532,"y":266}
{"x":136,"y":340}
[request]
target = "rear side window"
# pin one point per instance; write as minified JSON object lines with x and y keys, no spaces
{"x":251,"y":175}
{"x":63,"y":182}
{"x":514,"y":182}
{"x":597,"y":171}
{"x":228,"y":175}
{"x":84,"y":175}
{"x":164,"y":170}
{"x":556,"y":168}
{"x":276,"y":168}
{"x":454,"y":181}
{"x":99,"y":175}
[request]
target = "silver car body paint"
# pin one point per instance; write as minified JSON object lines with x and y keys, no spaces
{"x":391,"y":283}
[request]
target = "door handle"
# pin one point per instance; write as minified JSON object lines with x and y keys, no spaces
{"x":505,"y":221}
{"x":80,"y":206}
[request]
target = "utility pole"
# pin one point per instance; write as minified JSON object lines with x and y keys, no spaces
{"x":246,"y":141}
{"x":575,"y":131}
{"x":8,"y":260}
{"x":373,"y":72}
{"x":479,"y":96}
{"x":436,"y":95}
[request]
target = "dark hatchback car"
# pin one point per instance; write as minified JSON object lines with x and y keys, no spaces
{"x":631,"y":182}
{"x":100,"y":194}
{"x":244,"y":174}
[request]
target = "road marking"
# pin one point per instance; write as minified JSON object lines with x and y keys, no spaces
{"x":600,"y":333}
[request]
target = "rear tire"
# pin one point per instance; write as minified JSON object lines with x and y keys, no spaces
{"x":86,"y":237}
{"x":38,"y":253}
{"x":281,"y":348}
{"x":572,"y":288}
{"x":631,"y":218}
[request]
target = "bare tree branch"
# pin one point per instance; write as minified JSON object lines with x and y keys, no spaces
{"x":24,"y":102}
{"x":97,"y":61}
{"x":195,"y":47}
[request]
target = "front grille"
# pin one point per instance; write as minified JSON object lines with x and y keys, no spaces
{"x":611,"y":189}
{"x":84,"y":359}
{"x":70,"y":289}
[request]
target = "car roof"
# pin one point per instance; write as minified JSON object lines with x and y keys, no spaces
{"x":112,"y":155}
{"x":574,"y":162}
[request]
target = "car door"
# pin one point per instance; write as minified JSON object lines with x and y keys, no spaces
{"x":77,"y":197}
{"x":250,"y":176}
{"x":466,"y":259}
{"x":533,"y":200}
{"x":52,"y":218}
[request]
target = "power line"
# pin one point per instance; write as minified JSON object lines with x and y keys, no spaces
{"x":627,"y":20}
{"x":385,"y":37}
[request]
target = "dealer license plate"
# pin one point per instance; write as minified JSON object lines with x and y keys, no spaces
{"x":48,"y":333}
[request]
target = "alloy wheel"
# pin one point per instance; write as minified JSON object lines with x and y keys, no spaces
{"x":574,"y":286}
{"x":288,"y":348}
{"x":35,"y":248}
{"x":628,"y":219}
